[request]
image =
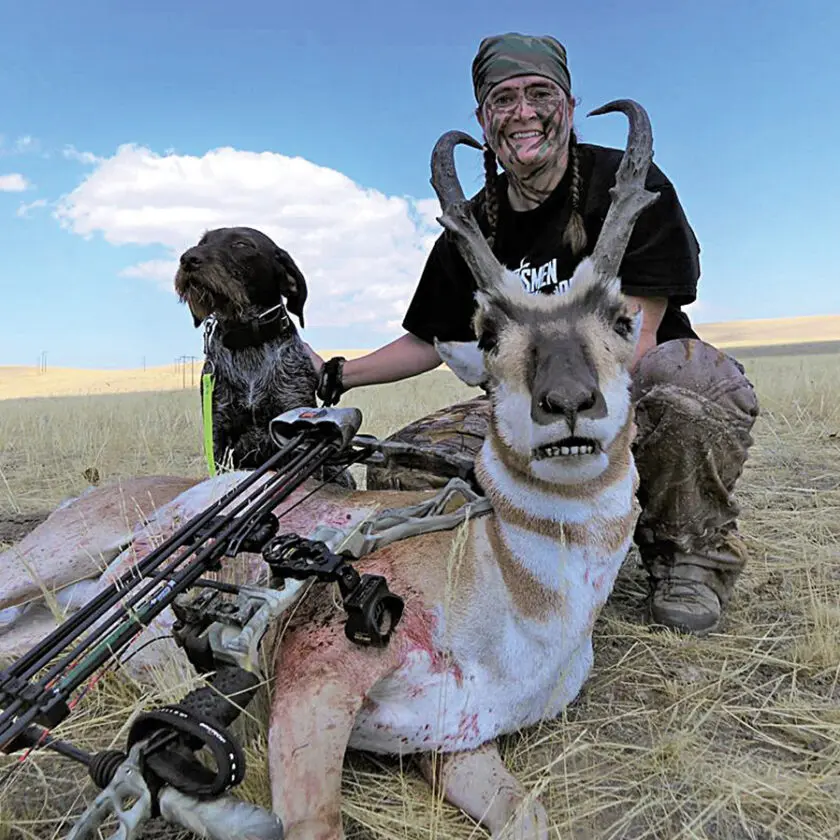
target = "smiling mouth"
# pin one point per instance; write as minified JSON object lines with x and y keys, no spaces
{"x":570,"y":447}
{"x":525,"y":135}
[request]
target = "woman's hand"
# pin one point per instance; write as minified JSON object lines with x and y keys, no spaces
{"x":406,"y":356}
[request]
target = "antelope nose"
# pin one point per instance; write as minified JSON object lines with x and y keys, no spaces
{"x":586,"y":402}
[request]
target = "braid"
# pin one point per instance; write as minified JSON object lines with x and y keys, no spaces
{"x":491,"y":193}
{"x":575,"y":233}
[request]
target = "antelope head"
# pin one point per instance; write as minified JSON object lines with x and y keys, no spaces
{"x":556,"y":367}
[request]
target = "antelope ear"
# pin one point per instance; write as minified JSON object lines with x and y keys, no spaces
{"x":636,"y":316}
{"x":464,"y":359}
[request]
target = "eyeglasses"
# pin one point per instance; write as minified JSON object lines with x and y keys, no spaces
{"x":537,"y":96}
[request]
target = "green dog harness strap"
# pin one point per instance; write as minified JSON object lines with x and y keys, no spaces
{"x":208,"y":380}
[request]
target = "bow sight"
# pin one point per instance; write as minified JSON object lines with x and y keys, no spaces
{"x":220,"y":627}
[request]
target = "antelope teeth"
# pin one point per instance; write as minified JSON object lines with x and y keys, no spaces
{"x":556,"y":451}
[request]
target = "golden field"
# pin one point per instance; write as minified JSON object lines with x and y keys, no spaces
{"x":19,"y":382}
{"x":731,"y":737}
{"x":771,"y":331}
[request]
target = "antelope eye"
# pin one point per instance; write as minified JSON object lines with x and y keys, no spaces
{"x":623,"y":326}
{"x":487,"y":340}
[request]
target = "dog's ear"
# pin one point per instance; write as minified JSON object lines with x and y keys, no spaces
{"x":291,"y":282}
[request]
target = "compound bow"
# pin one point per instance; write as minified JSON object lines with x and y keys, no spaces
{"x":219,"y":626}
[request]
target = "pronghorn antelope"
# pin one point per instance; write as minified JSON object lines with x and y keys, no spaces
{"x":497,"y":633}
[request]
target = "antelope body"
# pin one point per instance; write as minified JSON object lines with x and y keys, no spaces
{"x":497,"y":629}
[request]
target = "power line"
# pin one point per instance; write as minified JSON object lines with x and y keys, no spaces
{"x":181,"y":362}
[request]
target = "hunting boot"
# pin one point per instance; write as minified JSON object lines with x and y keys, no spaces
{"x":695,"y":410}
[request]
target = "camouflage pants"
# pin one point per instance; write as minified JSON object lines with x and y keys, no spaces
{"x":695,"y":410}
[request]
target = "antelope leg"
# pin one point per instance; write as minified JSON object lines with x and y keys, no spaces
{"x":318,"y":694}
{"x":478,"y":783}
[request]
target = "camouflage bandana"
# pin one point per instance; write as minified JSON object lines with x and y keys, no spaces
{"x":503,"y":57}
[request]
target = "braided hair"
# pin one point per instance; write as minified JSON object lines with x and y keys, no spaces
{"x":575,"y":233}
{"x":491,"y":193}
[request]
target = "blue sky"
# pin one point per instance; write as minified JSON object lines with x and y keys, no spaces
{"x":134,"y":125}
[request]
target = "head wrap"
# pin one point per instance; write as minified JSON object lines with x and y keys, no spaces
{"x":502,"y":57}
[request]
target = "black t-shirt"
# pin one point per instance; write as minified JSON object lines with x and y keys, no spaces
{"x":661,"y":260}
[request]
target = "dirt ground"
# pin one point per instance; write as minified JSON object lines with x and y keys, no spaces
{"x":14,"y":527}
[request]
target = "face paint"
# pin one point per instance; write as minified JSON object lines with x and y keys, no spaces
{"x":527,"y":124}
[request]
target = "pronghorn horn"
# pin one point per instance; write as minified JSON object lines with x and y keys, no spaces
{"x":457,"y":216}
{"x":629,"y":196}
{"x":444,"y":176}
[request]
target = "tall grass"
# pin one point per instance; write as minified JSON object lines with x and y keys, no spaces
{"x":733,"y":737}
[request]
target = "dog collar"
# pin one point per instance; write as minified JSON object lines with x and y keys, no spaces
{"x":272,"y":324}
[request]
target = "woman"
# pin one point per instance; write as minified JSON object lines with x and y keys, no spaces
{"x":694,"y":407}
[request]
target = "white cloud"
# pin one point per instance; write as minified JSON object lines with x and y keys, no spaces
{"x":24,"y":209}
{"x":72,"y":153}
{"x":361,"y":251}
{"x":25,"y":144}
{"x":14,"y":182}
{"x":161,"y":271}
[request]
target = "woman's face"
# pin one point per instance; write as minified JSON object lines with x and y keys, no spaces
{"x":527,"y":122}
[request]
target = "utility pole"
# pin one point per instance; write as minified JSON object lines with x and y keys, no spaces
{"x":181,"y":362}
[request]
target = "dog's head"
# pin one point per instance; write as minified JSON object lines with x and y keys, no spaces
{"x":234,"y":271}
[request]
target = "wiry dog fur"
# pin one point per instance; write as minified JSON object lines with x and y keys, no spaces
{"x":235,"y":275}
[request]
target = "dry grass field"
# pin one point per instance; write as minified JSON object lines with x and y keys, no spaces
{"x":771,"y":331}
{"x":818,"y":333}
{"x":732,"y":737}
{"x":18,"y":382}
